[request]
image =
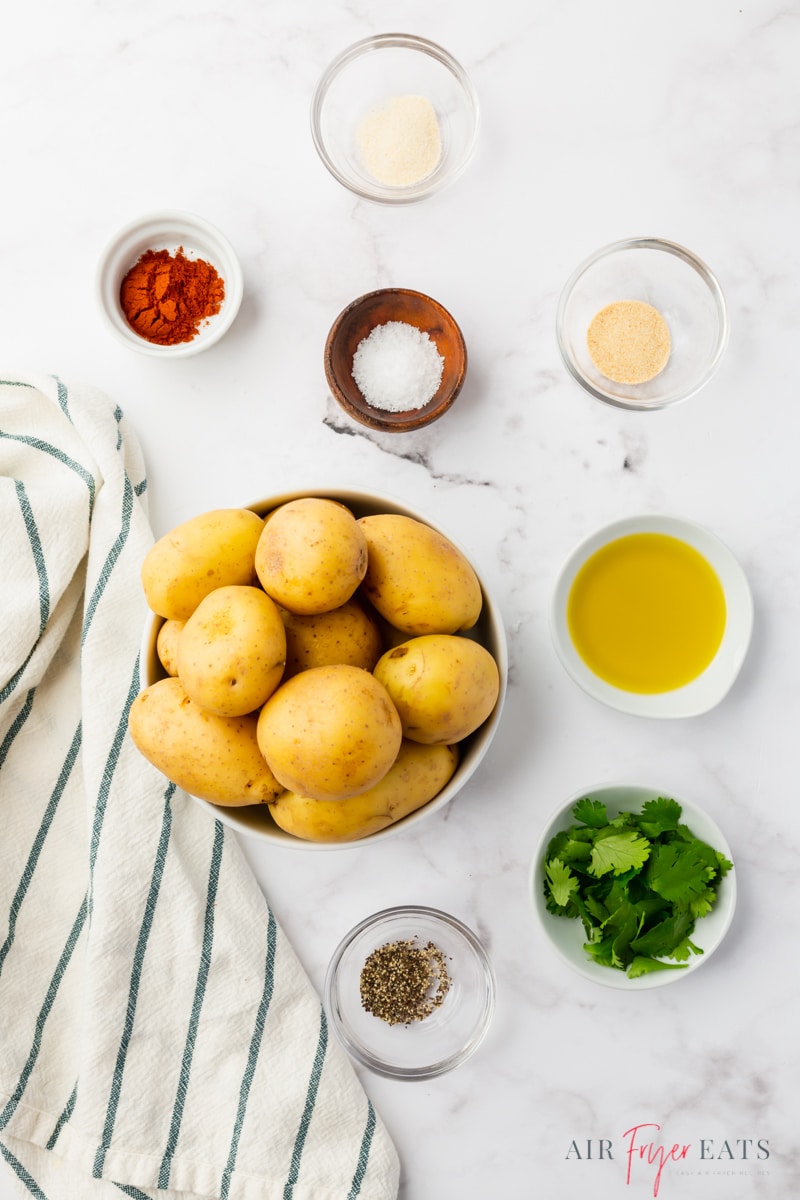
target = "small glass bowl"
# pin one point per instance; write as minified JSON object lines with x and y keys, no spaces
{"x":169,"y":230}
{"x":439,"y":1042}
{"x":676,"y":283}
{"x":366,"y":75}
{"x":358,"y":320}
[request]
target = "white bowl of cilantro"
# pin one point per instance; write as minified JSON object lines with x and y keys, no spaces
{"x":633,"y":887}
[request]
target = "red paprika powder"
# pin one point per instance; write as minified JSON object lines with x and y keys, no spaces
{"x":166,"y":297}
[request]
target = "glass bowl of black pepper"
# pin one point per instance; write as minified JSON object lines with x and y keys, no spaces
{"x":642,"y":324}
{"x":410,"y":992}
{"x":394,"y":118}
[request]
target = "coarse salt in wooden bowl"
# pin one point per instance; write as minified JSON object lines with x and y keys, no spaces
{"x":380,"y":308}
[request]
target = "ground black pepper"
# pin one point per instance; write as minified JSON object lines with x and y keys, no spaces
{"x":404,"y":981}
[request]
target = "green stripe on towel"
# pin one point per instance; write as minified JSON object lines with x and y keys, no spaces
{"x":197,"y":1004}
{"x":363,"y":1154}
{"x":44,"y":1013}
{"x":62,"y":1120}
{"x":311,"y":1099}
{"x":60,"y":456}
{"x":252,"y":1057}
{"x":16,"y":725}
{"x":136,"y":978}
{"x":36,"y":551}
{"x":44,"y":587}
{"x":15,"y":678}
{"x":22,"y":1175}
{"x":38,"y":843}
{"x":63,"y":398}
{"x":112,"y":559}
{"x":108,"y":775}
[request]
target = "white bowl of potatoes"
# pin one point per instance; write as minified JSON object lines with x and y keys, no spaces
{"x":321,"y":669}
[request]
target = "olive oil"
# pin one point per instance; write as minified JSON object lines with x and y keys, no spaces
{"x":646,"y":613}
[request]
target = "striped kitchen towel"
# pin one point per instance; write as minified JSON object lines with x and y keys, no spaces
{"x":158,"y":1036}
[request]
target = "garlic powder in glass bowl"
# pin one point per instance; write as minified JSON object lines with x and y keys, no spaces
{"x":385,"y":84}
{"x":400,"y":142}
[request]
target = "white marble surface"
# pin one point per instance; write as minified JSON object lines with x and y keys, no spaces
{"x":599,"y":121}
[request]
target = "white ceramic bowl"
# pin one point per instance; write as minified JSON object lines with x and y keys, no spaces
{"x":422,"y":1049}
{"x":675,"y":282}
{"x":567,"y":936}
{"x":369,"y":73}
{"x":710,"y":687}
{"x":255,"y":820}
{"x":169,"y":230}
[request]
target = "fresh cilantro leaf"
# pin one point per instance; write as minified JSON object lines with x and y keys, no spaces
{"x":700,"y":906}
{"x":601,"y":951}
{"x":679,"y":870}
{"x":595,"y":908}
{"x":561,"y":882}
{"x":615,"y":893}
{"x":619,"y":852}
{"x":621,"y":916}
{"x":591,"y":812}
{"x":684,"y":949}
{"x":661,"y":939}
{"x":623,"y":820}
{"x":644,"y":966}
{"x":571,"y":844}
{"x":659,"y":816}
{"x":627,"y":921}
{"x":724,"y":864}
{"x":576,"y":851}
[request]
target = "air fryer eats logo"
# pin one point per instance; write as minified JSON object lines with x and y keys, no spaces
{"x":648,"y":1155}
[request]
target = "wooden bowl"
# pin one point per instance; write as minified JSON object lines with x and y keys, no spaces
{"x":358,"y":320}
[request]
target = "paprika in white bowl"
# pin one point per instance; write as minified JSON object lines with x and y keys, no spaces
{"x":169,"y":284}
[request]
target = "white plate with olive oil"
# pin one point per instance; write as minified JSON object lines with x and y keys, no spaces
{"x":653,"y":616}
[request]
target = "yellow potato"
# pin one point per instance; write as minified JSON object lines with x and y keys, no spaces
{"x":416,"y":578}
{"x":347,"y":634}
{"x":215,"y":758}
{"x":232,"y":651}
{"x":206,"y":552}
{"x":311,"y":556}
{"x":167,"y":645}
{"x":329,"y":732}
{"x":444,"y":687}
{"x":417,"y":775}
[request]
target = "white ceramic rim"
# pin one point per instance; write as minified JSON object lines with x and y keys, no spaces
{"x":150,"y":232}
{"x":567,"y":936}
{"x":710,"y":687}
{"x":490,"y":618}
{"x":383,"y":41}
{"x":691,"y":260}
{"x":363,"y":1056}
